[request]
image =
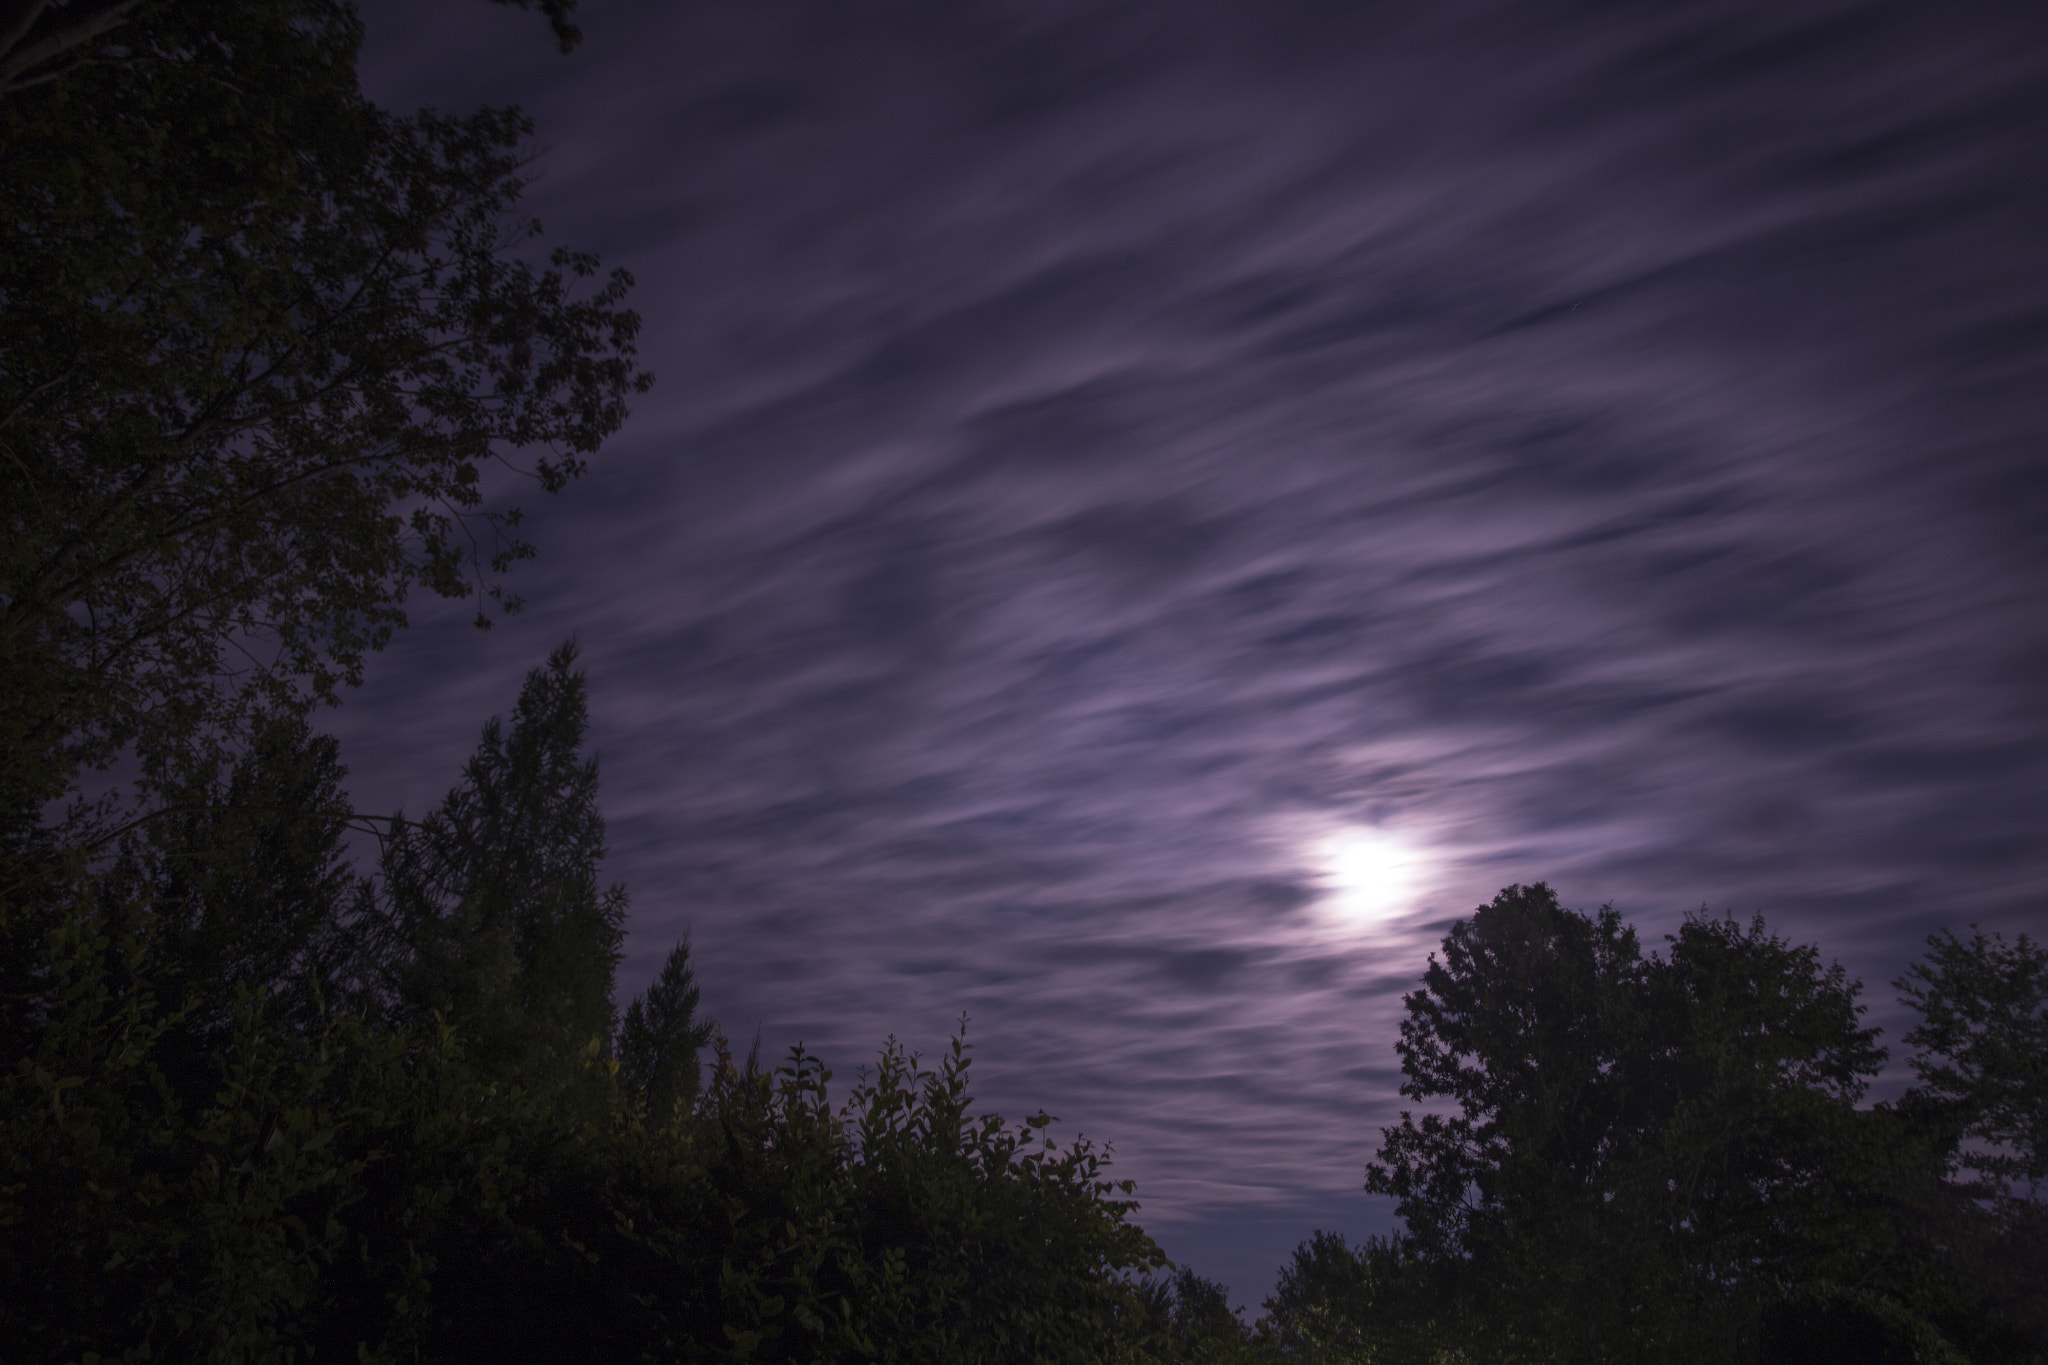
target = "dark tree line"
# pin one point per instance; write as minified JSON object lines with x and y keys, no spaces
{"x":1664,"y":1156}
{"x":260,"y":1106}
{"x":258,"y":340}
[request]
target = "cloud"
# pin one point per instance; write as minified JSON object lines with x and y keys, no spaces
{"x":1091,"y":451}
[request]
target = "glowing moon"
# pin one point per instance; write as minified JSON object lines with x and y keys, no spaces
{"x":1370,"y":874}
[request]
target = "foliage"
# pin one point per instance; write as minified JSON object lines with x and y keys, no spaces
{"x":902,"y":1226}
{"x":490,"y":912}
{"x":41,"y":41}
{"x":557,"y":13}
{"x":1755,"y":1165}
{"x":364,"y":1189}
{"x":143,"y":1220}
{"x":356,"y":1191}
{"x":1646,"y":1149}
{"x":1182,"y":1318}
{"x":1983,"y":1060}
{"x":986,"y":1241}
{"x":211,"y":1153}
{"x":1527,"y":1025}
{"x":1983,"y":1096}
{"x":1377,"y":1303}
{"x":1521,"y":1025}
{"x":258,"y":1164}
{"x":1825,"y":1321}
{"x":661,"y":1039}
{"x":261,"y":339}
{"x":247,"y":880}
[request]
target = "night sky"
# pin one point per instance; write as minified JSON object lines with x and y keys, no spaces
{"x":1151,"y":510}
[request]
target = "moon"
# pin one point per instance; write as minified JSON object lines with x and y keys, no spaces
{"x":1370,"y":874}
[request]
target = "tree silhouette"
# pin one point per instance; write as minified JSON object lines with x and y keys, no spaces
{"x":1983,"y":1040}
{"x":42,"y":41}
{"x":1645,"y":1149}
{"x":492,"y":911}
{"x":258,"y":338}
{"x":661,"y":1038}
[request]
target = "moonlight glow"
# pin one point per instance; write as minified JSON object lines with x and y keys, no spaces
{"x":1370,"y":874}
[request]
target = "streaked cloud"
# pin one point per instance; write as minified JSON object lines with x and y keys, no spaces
{"x":1106,"y":453}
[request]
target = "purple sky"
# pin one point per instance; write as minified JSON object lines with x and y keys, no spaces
{"x":1149,"y":510}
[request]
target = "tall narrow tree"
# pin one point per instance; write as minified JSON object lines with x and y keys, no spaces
{"x":661,"y":1038}
{"x":1983,"y":1072}
{"x":493,"y":903}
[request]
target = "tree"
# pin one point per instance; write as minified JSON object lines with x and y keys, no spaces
{"x":493,"y":903}
{"x":258,"y":341}
{"x":491,"y":912}
{"x":1375,"y":1304}
{"x":1645,"y":1148}
{"x":1521,"y":1024}
{"x":1755,"y":1163}
{"x":979,"y":1239}
{"x":661,"y":1037}
{"x":1983,"y":1040}
{"x":1983,"y":1071}
{"x":1524,"y":1024}
{"x":1184,"y":1318}
{"x":335,"y":1191}
{"x":41,"y":41}
{"x":200,"y":1168}
{"x":248,"y":882}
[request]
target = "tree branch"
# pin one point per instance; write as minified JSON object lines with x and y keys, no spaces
{"x":32,"y":34}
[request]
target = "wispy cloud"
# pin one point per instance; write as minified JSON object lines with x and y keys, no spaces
{"x":1103,"y":452}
